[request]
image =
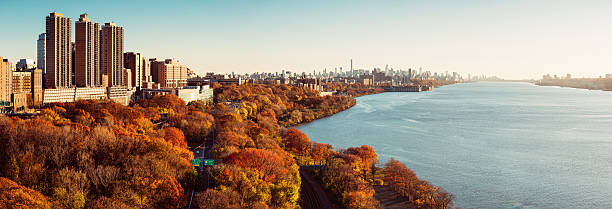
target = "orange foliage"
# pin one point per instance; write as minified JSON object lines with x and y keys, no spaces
{"x":175,"y":137}
{"x":420,"y":193}
{"x":94,"y":153}
{"x":268,"y":163}
{"x":297,"y":142}
{"x":321,"y":152}
{"x":367,"y":157}
{"x":13,"y":195}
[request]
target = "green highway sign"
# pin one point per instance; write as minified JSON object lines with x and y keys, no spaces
{"x":196,"y":162}
{"x":209,"y":162}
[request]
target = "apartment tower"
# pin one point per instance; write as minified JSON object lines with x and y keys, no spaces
{"x":133,"y":61}
{"x":40,"y":51}
{"x":146,"y":70}
{"x":6,"y":78}
{"x":111,"y":45}
{"x":87,"y":53}
{"x":169,"y":73}
{"x":58,"y":51}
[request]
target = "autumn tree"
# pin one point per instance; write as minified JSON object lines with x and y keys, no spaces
{"x":13,"y":195}
{"x":366,"y":154}
{"x":321,"y":152}
{"x":196,"y":126}
{"x":215,"y":199}
{"x":296,"y":142}
{"x":174,"y":136}
{"x":420,"y":193}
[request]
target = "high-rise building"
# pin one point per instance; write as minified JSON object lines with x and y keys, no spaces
{"x":87,"y":53}
{"x":133,"y":61}
{"x":111,"y":45}
{"x":146,"y":70}
{"x":127,"y":78}
{"x":37,"y":87}
{"x":6,"y":78}
{"x":58,"y":51}
{"x":169,"y":73}
{"x":6,"y":84}
{"x":72,"y":66}
{"x":40,"y":51}
{"x":25,"y":64}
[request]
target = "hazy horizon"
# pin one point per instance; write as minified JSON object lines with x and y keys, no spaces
{"x":509,"y":39}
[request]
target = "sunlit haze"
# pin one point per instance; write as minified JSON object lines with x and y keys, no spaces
{"x":509,"y":39}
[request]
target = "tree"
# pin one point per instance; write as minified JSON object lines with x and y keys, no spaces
{"x":420,"y":193}
{"x":215,"y":199}
{"x":195,"y":125}
{"x":175,"y":137}
{"x":368,"y":157}
{"x":268,"y":164}
{"x":169,"y":193}
{"x":13,"y":195}
{"x":297,"y":142}
{"x":105,"y":202}
{"x":321,"y":152}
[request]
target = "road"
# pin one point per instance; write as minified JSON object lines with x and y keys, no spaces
{"x":203,"y":152}
{"x":313,"y":195}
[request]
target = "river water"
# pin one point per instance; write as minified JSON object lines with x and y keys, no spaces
{"x":493,"y":145}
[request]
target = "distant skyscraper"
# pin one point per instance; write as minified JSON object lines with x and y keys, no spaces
{"x":133,"y":61}
{"x":146,"y":70}
{"x":112,"y":53}
{"x":409,"y":73}
{"x":87,"y":53}
{"x":25,"y":64}
{"x":58,"y":51}
{"x":40,"y":51}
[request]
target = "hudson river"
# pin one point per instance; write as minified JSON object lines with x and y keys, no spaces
{"x":493,"y":145}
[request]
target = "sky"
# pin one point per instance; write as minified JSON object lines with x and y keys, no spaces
{"x":512,"y":39}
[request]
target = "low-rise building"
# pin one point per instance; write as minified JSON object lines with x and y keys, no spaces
{"x":120,"y":95}
{"x":187,"y":93}
{"x":28,"y":83}
{"x":59,"y":95}
{"x":97,"y":93}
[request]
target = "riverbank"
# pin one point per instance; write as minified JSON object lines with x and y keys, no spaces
{"x":604,"y":84}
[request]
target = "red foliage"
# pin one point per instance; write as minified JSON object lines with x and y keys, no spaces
{"x":297,"y":142}
{"x":321,"y":152}
{"x":420,"y":193}
{"x":268,"y":163}
{"x":175,"y":137}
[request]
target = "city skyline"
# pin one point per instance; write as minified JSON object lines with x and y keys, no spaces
{"x":512,"y":40}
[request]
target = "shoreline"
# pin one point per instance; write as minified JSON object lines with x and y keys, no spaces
{"x":353,"y":105}
{"x":574,"y":87}
{"x":355,"y":97}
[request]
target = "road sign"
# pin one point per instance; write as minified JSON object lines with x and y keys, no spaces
{"x":195,"y":162}
{"x":209,"y":162}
